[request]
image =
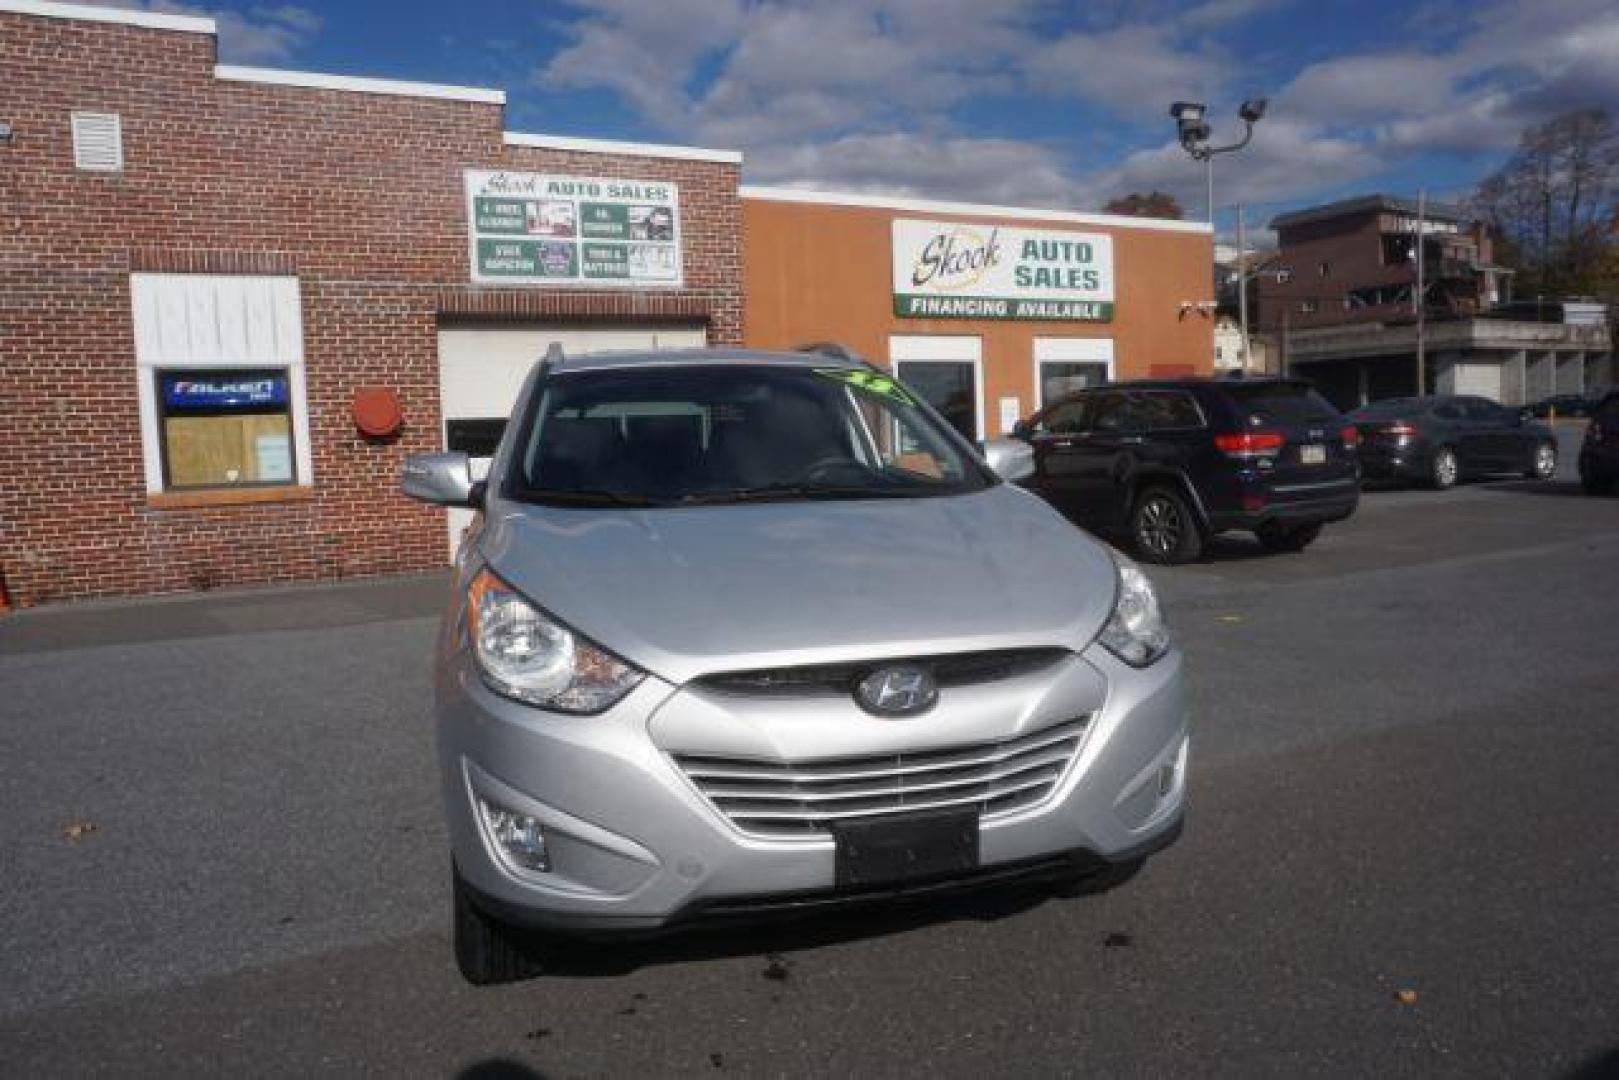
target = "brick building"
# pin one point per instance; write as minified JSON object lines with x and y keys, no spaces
{"x":989,"y":311}
{"x":1338,"y":300}
{"x":232,"y":299}
{"x":187,"y":242}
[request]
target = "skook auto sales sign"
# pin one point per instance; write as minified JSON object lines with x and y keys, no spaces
{"x":956,"y":270}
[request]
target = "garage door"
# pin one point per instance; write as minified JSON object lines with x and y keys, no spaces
{"x":481,"y":370}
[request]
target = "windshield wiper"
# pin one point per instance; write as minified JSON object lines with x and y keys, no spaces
{"x":589,"y":497}
{"x":789,"y":491}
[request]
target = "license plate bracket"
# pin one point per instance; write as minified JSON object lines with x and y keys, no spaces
{"x":1313,"y":454}
{"x":906,"y":847}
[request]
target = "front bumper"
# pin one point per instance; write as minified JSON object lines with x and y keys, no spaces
{"x":635,"y":845}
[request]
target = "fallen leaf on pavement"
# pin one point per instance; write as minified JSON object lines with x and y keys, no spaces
{"x":1231,"y":618}
{"x":79,"y":829}
{"x":1406,"y":997}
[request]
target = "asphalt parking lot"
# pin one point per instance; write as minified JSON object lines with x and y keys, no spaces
{"x":223,"y":852}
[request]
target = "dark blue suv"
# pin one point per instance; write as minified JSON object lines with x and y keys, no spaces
{"x":1172,"y":462}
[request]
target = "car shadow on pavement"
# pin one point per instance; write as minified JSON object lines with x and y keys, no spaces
{"x":1537,"y":487}
{"x":774,"y":936}
{"x":499,"y":1069}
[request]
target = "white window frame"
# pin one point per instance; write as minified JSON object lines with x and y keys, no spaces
{"x":946,"y":348}
{"x":1069,"y":350}
{"x":219,"y":322}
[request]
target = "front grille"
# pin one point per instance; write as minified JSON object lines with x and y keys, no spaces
{"x":779,"y":799}
{"x":952,"y":669}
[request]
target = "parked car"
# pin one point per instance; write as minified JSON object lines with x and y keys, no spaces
{"x":1565,"y":405}
{"x":1599,"y":453}
{"x":741,"y":632}
{"x":1173,"y":462}
{"x":1440,"y":440}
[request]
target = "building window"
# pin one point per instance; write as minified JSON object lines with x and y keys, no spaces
{"x":1326,"y":269}
{"x":1065,"y":365}
{"x":223,"y":427}
{"x":220,"y":369}
{"x":1307,"y":307}
{"x":1284,"y":275}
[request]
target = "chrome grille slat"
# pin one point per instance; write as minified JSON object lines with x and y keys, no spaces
{"x":898,"y":782}
{"x":924,"y":803}
{"x":780,"y":799}
{"x":876,"y":765}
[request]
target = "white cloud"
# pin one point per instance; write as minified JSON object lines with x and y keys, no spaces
{"x":265,"y":35}
{"x":1113,"y":68}
{"x":1005,"y":171}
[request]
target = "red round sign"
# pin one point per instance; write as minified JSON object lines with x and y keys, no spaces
{"x":377,"y":412}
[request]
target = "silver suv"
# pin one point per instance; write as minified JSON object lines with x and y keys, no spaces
{"x":738,"y":632}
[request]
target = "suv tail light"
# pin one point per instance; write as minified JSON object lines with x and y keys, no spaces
{"x":1400,"y":430}
{"x":1250,"y":444}
{"x":1351,"y":436}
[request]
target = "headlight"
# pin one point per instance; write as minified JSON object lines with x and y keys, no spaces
{"x":1135,"y":632}
{"x":525,"y":655}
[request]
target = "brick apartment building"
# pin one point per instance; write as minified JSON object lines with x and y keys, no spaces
{"x":1338,"y":302}
{"x":232,"y":299}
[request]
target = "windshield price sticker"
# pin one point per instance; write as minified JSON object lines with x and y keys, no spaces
{"x":869,"y":382}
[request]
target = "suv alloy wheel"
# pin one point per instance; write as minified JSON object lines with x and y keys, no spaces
{"x":1164,"y":528}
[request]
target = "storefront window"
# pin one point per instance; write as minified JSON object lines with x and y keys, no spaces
{"x":225,"y":427}
{"x":949,"y":386}
{"x":1060,"y":378}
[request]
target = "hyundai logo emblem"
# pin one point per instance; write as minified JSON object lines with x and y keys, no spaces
{"x":897,"y":690}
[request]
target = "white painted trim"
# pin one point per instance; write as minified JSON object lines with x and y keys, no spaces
{"x":929,"y":206}
{"x":1069,"y":350}
{"x":151,"y":20}
{"x":616,"y":146}
{"x":943,"y":348}
{"x":314,"y":80}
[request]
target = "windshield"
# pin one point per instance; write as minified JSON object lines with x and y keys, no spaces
{"x":673,"y":436}
{"x":1388,"y":410}
{"x":1282,"y":403}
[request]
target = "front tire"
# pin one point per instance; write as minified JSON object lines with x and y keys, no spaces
{"x":1282,"y":539}
{"x":1164,"y":529}
{"x":1543,"y":465}
{"x":488,"y":951}
{"x":1444,"y":470}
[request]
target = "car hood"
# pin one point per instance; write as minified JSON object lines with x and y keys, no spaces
{"x":683,"y":592}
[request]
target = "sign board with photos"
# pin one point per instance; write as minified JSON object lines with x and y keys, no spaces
{"x":589,"y":232}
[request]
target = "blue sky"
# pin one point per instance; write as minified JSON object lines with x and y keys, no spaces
{"x":1031,"y":102}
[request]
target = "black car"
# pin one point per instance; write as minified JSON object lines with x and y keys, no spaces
{"x":1565,"y":405}
{"x":1599,"y":453}
{"x":1439,"y":440}
{"x":1173,"y":462}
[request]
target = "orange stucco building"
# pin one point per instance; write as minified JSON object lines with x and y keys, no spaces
{"x":988,"y":311}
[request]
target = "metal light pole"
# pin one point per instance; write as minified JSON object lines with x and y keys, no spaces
{"x":1193,"y":128}
{"x":1242,"y":281}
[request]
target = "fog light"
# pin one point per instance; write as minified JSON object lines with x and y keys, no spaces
{"x":1166,"y":780}
{"x":519,"y":838}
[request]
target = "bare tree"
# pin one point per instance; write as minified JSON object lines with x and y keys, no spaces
{"x":1554,"y":205}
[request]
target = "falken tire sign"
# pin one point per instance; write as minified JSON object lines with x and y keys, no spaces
{"x":957,"y":270}
{"x":583,"y":231}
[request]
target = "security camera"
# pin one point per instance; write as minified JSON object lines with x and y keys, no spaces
{"x":1252,"y":110}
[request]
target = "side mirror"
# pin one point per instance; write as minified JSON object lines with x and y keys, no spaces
{"x":1011,"y":459}
{"x":441,"y":479}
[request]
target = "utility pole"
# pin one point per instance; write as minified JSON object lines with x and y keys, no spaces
{"x":1417,"y":299}
{"x":1242,"y":282}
